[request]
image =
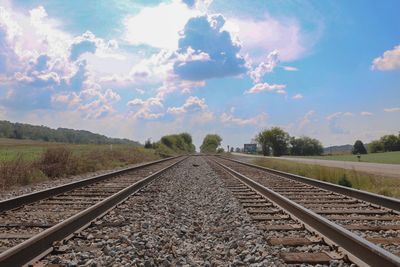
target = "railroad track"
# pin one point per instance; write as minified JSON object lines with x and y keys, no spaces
{"x":365,"y":232}
{"x":31,"y":224}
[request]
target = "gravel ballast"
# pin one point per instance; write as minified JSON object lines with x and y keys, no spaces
{"x":185,"y":218}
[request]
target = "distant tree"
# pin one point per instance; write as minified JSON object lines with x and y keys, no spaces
{"x":386,"y":143}
{"x":220,"y":150}
{"x":232,"y":149}
{"x":305,"y":146}
{"x":359,"y":148}
{"x":237,"y":150}
{"x":176,"y":144}
{"x":210,"y":143}
{"x":148,"y":144}
{"x":62,"y":135}
{"x":390,"y":142}
{"x":375,"y":146}
{"x":274,"y":138}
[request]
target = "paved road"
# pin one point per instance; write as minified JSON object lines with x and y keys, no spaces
{"x":388,"y":170}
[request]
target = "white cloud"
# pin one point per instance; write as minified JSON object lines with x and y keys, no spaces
{"x":289,"y":68}
{"x":297,"y":96}
{"x":306,"y":119}
{"x":265,"y":67}
{"x":365,"y":113}
{"x":339,"y":114}
{"x":192,"y":55}
{"x":267,"y":35}
{"x":158,"y":26}
{"x":256,"y":120}
{"x":278,"y":88}
{"x":146,"y":109}
{"x":192,"y":104}
{"x":392,"y":109}
{"x":389,"y":61}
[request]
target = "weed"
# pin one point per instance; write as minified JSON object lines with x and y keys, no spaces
{"x":344,"y":181}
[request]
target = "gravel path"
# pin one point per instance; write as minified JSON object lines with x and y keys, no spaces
{"x":186,"y":218}
{"x":387,"y":170}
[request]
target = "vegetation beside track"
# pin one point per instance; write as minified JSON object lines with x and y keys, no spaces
{"x":384,"y":157}
{"x":23,"y":161}
{"x":360,"y":180}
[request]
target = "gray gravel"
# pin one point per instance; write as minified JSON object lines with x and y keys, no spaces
{"x":187,"y":218}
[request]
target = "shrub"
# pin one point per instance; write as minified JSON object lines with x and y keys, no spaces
{"x":18,"y":171}
{"x":344,"y":181}
{"x":54,"y":161}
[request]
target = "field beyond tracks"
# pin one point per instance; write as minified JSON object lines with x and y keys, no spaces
{"x":26,"y":161}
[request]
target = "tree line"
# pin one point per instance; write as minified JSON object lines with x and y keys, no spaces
{"x":61,"y":135}
{"x":280,"y":143}
{"x":386,"y":143}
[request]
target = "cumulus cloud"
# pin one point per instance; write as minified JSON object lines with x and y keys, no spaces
{"x":205,"y":34}
{"x":259,"y":87}
{"x":192,"y":104}
{"x":231,"y":119}
{"x":268,"y":34}
{"x":158,"y":26}
{"x":146,"y":109}
{"x":297,"y":96}
{"x":392,"y":109}
{"x":389,"y":61}
{"x":83,"y":46}
{"x":265,"y":67}
{"x":43,"y":68}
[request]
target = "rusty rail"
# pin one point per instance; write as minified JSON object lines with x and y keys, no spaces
{"x":19,"y":201}
{"x":360,"y":250}
{"x":41,"y":244}
{"x":387,"y":202}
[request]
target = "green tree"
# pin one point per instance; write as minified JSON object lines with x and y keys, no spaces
{"x":375,"y":146}
{"x":274,"y":138}
{"x":148,"y":144}
{"x":390,"y":142}
{"x":262,"y":138}
{"x":359,"y":148}
{"x":305,"y":146}
{"x":210,"y":143}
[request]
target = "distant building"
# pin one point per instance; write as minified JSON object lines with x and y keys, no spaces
{"x":250,"y":148}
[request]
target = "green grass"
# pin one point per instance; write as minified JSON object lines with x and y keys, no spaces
{"x":24,"y":161}
{"x":386,"y":157}
{"x":360,"y":180}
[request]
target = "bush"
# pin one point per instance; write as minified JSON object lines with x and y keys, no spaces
{"x":18,"y":171}
{"x":344,"y":181}
{"x":54,"y":161}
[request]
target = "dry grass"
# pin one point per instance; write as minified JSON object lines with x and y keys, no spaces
{"x":64,"y":160}
{"x":360,"y":180}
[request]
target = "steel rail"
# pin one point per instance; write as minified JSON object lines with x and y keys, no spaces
{"x":387,"y":202}
{"x":42,"y":243}
{"x":360,"y":250}
{"x":19,"y":201}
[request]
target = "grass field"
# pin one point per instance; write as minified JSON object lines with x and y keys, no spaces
{"x":386,"y":157}
{"x":364,"y":181}
{"x":24,"y":161}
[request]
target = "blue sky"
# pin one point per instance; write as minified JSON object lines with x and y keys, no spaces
{"x":140,"y":69}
